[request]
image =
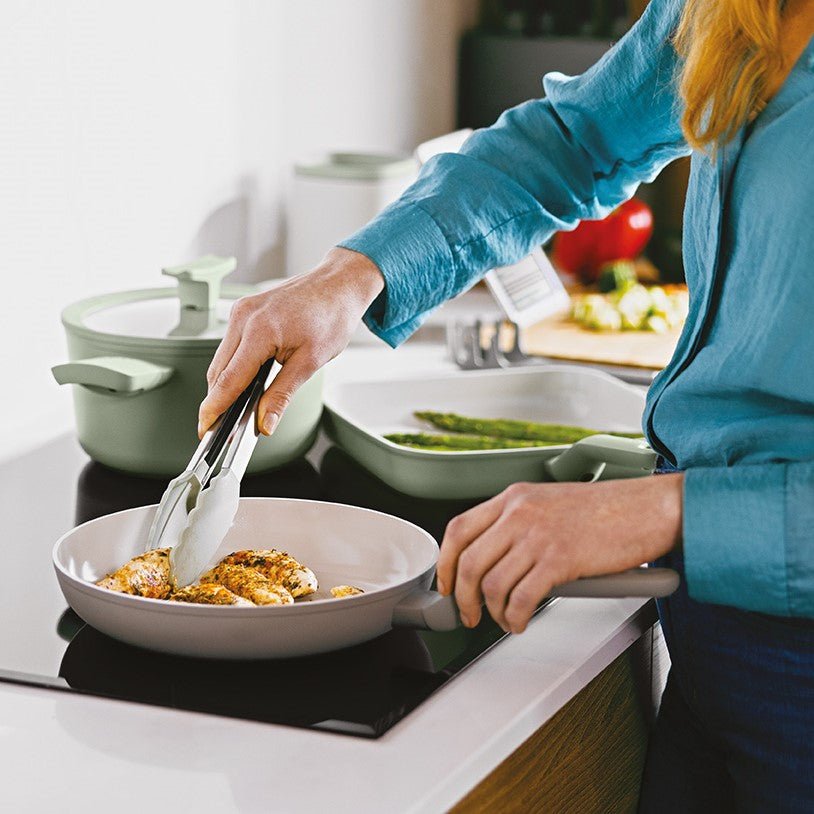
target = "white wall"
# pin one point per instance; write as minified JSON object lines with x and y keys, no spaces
{"x":135,"y":135}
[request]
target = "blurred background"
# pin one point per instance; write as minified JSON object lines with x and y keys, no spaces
{"x":135,"y":136}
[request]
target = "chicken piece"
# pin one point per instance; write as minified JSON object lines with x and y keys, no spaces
{"x":208,"y":593}
{"x":147,"y":575}
{"x":279,"y":568}
{"x":248,"y":583}
{"x":341,"y":591}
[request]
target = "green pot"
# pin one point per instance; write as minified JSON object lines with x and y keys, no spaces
{"x":138,"y":362}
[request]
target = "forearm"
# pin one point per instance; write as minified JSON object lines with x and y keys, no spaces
{"x":638,"y":519}
{"x":544,"y":166}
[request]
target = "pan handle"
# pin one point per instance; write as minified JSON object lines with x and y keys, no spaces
{"x":641,"y":582}
{"x":429,"y":610}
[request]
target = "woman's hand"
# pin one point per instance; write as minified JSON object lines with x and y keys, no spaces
{"x":303,"y":323}
{"x":510,"y":551}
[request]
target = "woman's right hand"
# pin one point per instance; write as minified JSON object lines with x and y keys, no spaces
{"x":303,"y":323}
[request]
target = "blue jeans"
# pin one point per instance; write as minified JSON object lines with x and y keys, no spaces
{"x":735,"y":730}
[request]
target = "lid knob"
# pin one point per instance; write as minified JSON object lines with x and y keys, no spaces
{"x":199,"y":281}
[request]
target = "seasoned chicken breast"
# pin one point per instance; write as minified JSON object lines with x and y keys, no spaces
{"x":208,"y":593}
{"x":248,"y":583}
{"x":279,"y":568}
{"x":341,"y":591}
{"x":146,"y":575}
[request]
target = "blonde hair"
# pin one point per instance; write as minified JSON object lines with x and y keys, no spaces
{"x":730,"y":49}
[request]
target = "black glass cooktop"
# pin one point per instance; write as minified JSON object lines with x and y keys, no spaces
{"x":362,"y":690}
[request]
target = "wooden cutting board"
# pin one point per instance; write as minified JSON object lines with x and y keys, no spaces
{"x":562,"y":339}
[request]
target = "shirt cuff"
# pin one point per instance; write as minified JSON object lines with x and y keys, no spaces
{"x":734,"y":537}
{"x":417,"y":265}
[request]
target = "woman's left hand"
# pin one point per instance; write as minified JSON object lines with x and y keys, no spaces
{"x":510,"y":551}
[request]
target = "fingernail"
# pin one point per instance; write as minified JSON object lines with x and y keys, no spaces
{"x":442,"y":588}
{"x":270,"y":422}
{"x":465,"y":620}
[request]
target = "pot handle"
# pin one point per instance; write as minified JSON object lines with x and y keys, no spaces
{"x":587,"y":459}
{"x":119,"y":375}
{"x":428,"y":610}
{"x":199,"y":281}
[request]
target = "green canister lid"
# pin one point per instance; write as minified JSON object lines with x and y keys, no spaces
{"x":357,"y":166}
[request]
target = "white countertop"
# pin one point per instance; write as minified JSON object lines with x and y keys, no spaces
{"x":69,"y":753}
{"x":62,"y":752}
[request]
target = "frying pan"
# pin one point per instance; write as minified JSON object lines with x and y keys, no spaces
{"x":392,"y":560}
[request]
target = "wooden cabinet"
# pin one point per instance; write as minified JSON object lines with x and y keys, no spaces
{"x":588,"y":758}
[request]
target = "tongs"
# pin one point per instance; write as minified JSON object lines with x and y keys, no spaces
{"x":198,"y":507}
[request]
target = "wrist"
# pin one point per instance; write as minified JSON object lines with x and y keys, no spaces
{"x":355,"y":272}
{"x":666,"y":492}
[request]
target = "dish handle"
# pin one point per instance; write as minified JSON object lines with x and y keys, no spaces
{"x":429,"y":610}
{"x":113,"y":375}
{"x":587,"y":459}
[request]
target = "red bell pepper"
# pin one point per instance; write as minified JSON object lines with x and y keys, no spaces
{"x":622,"y":235}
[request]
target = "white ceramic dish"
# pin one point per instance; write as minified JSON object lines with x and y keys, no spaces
{"x":359,"y":414}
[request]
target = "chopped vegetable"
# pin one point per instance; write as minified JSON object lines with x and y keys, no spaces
{"x":597,"y":313}
{"x":512,"y":428}
{"x":632,"y":307}
{"x":617,"y":276}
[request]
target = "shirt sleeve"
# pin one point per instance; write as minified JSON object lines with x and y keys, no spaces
{"x":748,"y":539}
{"x":542,"y":167}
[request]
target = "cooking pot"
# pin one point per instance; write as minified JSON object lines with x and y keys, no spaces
{"x":138,"y":362}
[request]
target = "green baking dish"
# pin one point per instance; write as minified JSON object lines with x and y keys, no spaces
{"x":357,"y":415}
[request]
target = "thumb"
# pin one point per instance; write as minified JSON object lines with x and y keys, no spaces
{"x":297,"y":369}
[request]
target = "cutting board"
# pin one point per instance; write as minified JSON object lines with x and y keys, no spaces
{"x":562,"y":339}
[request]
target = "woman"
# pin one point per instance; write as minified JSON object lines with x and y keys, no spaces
{"x":732,"y":416}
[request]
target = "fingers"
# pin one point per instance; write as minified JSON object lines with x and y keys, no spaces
{"x":460,"y":532}
{"x":224,"y":353}
{"x":231,"y":382}
{"x":242,"y":310}
{"x":473,"y":564}
{"x":298,"y":368}
{"x":498,"y":584}
{"x":526,"y":596}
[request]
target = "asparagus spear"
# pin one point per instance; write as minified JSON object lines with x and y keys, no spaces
{"x":459,"y":442}
{"x":511,"y":428}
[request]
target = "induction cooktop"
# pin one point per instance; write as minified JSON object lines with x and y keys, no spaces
{"x":362,"y":690}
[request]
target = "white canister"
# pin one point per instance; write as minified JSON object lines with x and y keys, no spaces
{"x":334,"y":195}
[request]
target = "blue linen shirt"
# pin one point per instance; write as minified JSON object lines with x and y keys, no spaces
{"x":735,"y":406}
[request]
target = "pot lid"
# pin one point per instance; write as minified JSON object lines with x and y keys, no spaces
{"x":196,"y":310}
